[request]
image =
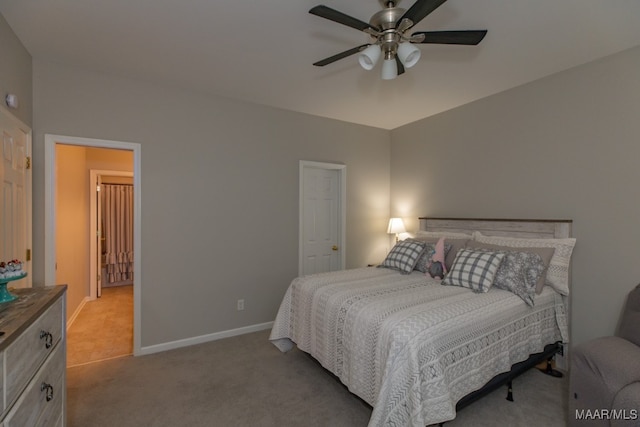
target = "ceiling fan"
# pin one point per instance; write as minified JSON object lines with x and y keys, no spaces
{"x":388,"y":29}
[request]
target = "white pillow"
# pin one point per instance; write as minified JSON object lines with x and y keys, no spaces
{"x":558,"y":271}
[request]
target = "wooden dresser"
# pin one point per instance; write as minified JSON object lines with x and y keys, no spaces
{"x":33,"y":356}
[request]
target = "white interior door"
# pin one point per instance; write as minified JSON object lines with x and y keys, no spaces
{"x":321,"y":218}
{"x":15,"y":176}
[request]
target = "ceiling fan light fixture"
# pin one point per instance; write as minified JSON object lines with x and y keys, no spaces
{"x":388,"y":33}
{"x":389,"y":69}
{"x":408,"y":54}
{"x":369,"y":57}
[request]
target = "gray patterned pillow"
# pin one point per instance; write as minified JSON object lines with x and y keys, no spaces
{"x":404,"y":256}
{"x":518,"y":273}
{"x":425,"y":259}
{"x":474,"y":269}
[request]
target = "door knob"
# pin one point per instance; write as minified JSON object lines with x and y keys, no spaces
{"x":334,"y":248}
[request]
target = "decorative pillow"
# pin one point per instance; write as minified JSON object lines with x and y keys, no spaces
{"x":545,"y":253}
{"x":518,"y":273}
{"x":474,"y":269}
{"x":436,"y":269}
{"x":404,"y":256}
{"x":438,"y":261}
{"x":425,"y":259}
{"x":456,"y":243}
{"x":558,"y":272}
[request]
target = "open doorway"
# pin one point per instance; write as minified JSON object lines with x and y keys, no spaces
{"x":69,"y":233}
{"x":108,"y":209}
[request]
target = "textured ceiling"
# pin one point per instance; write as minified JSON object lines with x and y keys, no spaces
{"x":262,"y":51}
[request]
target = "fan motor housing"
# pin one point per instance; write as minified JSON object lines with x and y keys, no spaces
{"x":386,"y":18}
{"x":389,"y":36}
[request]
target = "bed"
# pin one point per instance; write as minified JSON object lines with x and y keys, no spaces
{"x":417,"y":350}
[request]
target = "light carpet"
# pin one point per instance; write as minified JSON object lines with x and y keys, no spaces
{"x":246,"y":381}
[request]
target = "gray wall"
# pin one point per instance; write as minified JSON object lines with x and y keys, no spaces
{"x":219,"y":192}
{"x":15,"y":72}
{"x":562,"y":147}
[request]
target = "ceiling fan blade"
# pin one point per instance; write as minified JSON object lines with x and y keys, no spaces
{"x":400,"y":66}
{"x":339,"y":17}
{"x":469,"y":37}
{"x":339,"y":56}
{"x":419,"y":10}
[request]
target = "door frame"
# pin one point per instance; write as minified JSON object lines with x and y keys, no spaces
{"x":50,"y":142}
{"x":94,"y":269}
{"x":342,"y":209}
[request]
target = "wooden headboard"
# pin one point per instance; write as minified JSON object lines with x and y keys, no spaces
{"x":530,"y":228}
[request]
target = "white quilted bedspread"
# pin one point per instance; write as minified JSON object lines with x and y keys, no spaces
{"x":407,"y":345}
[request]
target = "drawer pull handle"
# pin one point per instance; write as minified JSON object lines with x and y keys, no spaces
{"x":49,"y":390}
{"x":48,"y":338}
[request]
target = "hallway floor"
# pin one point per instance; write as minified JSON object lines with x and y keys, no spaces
{"x":103,"y":329}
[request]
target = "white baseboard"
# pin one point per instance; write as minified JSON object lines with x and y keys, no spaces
{"x":77,"y":311}
{"x":202,"y":339}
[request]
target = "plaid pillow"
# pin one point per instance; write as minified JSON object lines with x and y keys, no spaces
{"x":474,"y":269}
{"x":403,"y":256}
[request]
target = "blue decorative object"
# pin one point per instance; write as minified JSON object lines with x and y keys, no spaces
{"x":5,"y":295}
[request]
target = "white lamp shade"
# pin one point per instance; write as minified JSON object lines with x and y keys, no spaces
{"x":389,"y":69}
{"x":369,"y":57}
{"x":396,"y":225}
{"x":408,"y":54}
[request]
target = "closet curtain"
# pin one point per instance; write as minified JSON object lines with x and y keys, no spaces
{"x":117,"y":225}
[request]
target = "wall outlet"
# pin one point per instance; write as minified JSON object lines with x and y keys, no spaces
{"x":240,"y":304}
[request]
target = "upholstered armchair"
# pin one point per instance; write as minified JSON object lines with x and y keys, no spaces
{"x":605,"y":375}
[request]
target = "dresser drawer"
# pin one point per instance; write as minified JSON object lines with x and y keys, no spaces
{"x":30,"y":349}
{"x":60,"y":422}
{"x":2,"y":407}
{"x":42,"y":400}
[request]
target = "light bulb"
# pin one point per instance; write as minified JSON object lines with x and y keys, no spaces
{"x":369,"y":57}
{"x":408,"y":54}
{"x":389,"y":69}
